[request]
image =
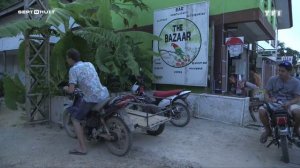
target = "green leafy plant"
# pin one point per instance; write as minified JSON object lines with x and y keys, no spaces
{"x":282,"y":50}
{"x":1,"y":88}
{"x":14,"y":91}
{"x":116,"y":55}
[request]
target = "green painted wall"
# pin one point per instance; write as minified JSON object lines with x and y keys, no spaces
{"x":267,"y":8}
{"x":224,"y":6}
{"x":216,"y":7}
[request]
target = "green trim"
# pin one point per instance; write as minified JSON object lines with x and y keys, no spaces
{"x":216,"y":7}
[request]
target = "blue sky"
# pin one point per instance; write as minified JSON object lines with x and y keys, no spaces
{"x":291,"y":36}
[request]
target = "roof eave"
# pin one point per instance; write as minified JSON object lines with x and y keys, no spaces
{"x":285,"y":20}
{"x":12,"y":8}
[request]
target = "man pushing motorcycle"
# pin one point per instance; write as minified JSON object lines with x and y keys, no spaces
{"x":285,"y":88}
{"x":84,"y":76}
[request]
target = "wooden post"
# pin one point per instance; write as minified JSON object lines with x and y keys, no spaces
{"x":37,"y":70}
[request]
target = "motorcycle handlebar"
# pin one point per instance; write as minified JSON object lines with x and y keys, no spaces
{"x":62,"y":84}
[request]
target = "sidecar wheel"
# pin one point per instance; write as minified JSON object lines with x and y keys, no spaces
{"x":156,"y":130}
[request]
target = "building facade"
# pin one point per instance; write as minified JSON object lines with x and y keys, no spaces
{"x":254,"y":20}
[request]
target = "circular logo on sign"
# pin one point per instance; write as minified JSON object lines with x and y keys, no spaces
{"x":180,"y":44}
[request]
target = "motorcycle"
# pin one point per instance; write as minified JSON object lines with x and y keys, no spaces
{"x":282,"y":124}
{"x":103,"y":122}
{"x":173,"y":102}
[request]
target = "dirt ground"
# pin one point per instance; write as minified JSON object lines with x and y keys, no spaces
{"x":202,"y":143}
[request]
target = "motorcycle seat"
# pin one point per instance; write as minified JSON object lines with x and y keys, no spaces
{"x":167,"y":93}
{"x":280,"y":111}
{"x":101,"y":104}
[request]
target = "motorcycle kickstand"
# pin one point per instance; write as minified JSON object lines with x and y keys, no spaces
{"x":295,"y":142}
{"x":272,"y":142}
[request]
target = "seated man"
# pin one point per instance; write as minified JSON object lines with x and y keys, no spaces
{"x":84,"y":75}
{"x":285,"y":88}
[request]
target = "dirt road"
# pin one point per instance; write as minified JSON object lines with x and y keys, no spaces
{"x":202,"y":143}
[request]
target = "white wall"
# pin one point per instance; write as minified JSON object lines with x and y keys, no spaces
{"x":10,"y":43}
{"x":233,"y":110}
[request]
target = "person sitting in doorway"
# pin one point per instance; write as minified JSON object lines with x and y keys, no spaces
{"x":254,"y":76}
{"x":239,"y":87}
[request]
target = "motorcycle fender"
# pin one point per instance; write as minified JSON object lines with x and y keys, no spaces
{"x":166,"y":102}
{"x":185,"y":92}
{"x":283,"y":131}
{"x":183,"y":97}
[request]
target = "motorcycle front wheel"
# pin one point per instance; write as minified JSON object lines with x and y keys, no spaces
{"x":122,"y":142}
{"x":68,"y":125}
{"x":284,"y":148}
{"x":180,"y":115}
{"x":156,"y":130}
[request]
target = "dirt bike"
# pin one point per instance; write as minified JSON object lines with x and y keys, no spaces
{"x":104,"y":122}
{"x":282,"y":124}
{"x":172,"y":102}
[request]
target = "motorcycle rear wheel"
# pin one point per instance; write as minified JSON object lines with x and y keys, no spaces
{"x":123,"y":142}
{"x":181,"y":115}
{"x":284,"y":148}
{"x":68,"y":125}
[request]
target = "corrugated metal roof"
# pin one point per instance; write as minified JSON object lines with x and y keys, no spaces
{"x":13,"y":8}
{"x":10,"y":43}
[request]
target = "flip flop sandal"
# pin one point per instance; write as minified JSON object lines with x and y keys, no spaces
{"x":76,"y":152}
{"x":264,"y":137}
{"x":297,"y":141}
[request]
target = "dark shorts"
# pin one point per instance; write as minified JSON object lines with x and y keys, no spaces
{"x":80,"y":109}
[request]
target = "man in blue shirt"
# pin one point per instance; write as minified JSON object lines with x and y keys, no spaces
{"x":285,"y":88}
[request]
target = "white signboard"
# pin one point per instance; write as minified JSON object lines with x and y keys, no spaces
{"x":184,"y":45}
{"x":287,"y":58}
